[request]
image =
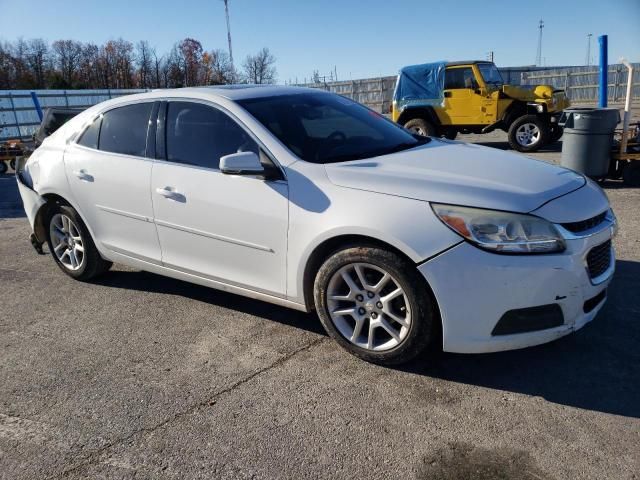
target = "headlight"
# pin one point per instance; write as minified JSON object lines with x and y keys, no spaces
{"x":501,"y":232}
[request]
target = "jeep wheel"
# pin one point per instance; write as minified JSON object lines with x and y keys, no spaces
{"x":528,"y":133}
{"x":3,"y":167}
{"x":421,"y":127}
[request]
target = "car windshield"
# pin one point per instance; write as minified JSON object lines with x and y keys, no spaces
{"x":490,"y":73}
{"x":326,"y":128}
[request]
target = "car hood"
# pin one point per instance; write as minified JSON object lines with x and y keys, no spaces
{"x":461,"y":174}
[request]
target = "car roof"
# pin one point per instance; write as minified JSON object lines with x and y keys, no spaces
{"x":232,"y":92}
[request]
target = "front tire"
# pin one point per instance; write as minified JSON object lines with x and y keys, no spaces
{"x":375,"y":305}
{"x":528,"y":133}
{"x":71,"y":245}
{"x":421,"y":126}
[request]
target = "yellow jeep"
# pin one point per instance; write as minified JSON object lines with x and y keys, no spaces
{"x":444,"y":98}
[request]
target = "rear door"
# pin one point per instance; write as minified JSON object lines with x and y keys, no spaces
{"x":109,"y":174}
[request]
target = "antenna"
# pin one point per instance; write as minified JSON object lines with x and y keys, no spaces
{"x":588,"y":61}
{"x":539,"y":53}
{"x":226,"y":11}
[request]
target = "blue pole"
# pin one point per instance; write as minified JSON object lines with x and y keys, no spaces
{"x":604,"y":67}
{"x":36,"y":102}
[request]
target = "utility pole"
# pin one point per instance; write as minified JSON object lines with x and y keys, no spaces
{"x":539,"y":53}
{"x":226,"y":11}
{"x":490,"y":56}
{"x":588,"y":62}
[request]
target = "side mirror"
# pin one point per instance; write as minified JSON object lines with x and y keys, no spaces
{"x":242,"y":163}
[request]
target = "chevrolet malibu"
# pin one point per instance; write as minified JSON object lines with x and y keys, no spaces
{"x":309,"y":200}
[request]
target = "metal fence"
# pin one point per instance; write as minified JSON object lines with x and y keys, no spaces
{"x":19,"y":119}
{"x":18,"y":115}
{"x":581,"y":84}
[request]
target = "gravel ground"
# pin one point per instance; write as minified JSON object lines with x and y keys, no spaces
{"x":139,"y":376}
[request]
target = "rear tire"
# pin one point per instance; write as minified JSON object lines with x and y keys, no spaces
{"x":528,"y":133}
{"x":389,"y":318}
{"x":421,"y":126}
{"x":71,"y":245}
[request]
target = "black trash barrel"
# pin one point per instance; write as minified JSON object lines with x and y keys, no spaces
{"x":587,"y":139}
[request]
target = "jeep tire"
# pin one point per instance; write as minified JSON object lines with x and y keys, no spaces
{"x":528,"y":133}
{"x":421,"y":126}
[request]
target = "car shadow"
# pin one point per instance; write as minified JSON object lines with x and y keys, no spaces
{"x":150,"y":282}
{"x":596,"y":368}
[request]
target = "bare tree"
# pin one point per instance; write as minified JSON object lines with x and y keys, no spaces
{"x":144,"y":61}
{"x":260,"y":68}
{"x":68,"y":55}
{"x":39,"y":61}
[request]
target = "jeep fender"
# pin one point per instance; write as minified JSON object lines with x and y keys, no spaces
{"x":428,"y":113}
{"x":517,"y":109}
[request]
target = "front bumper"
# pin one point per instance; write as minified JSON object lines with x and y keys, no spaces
{"x":474,"y":289}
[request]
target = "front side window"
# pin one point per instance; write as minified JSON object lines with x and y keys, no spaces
{"x":490,"y":74}
{"x":124,"y":129}
{"x":89,"y":137}
{"x":459,"y":78}
{"x":199,"y":135}
{"x":326,"y":128}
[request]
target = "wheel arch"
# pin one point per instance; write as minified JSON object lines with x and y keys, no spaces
{"x":331,"y":245}
{"x":51,"y":199}
{"x":427,"y":113}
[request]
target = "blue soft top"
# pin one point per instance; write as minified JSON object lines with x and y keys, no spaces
{"x":420,"y":85}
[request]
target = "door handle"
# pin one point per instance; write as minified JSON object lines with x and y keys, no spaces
{"x":82,"y":174}
{"x":171,"y":194}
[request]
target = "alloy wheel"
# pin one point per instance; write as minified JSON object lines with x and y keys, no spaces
{"x":528,"y":134}
{"x":67,"y":242}
{"x":368,"y":307}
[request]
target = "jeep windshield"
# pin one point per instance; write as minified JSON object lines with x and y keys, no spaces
{"x":490,"y":74}
{"x":327,"y":128}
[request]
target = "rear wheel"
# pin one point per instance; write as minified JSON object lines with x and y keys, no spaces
{"x":71,"y":245}
{"x":528,"y":133}
{"x":375,"y":305}
{"x":421,"y":127}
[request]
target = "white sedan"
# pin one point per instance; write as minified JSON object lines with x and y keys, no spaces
{"x":309,"y":200}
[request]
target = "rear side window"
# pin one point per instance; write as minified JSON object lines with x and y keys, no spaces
{"x":199,"y":135}
{"x":124,"y":129}
{"x":90,"y":136}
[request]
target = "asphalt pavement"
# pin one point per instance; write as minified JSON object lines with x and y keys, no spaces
{"x":141,"y":376}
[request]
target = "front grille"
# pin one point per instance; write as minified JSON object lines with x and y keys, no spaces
{"x":599,"y":259}
{"x":584,"y":225}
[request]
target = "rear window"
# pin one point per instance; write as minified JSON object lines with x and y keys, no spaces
{"x":124,"y":129}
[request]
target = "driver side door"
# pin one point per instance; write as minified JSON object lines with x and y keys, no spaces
{"x":462,"y":97}
{"x":227,"y":228}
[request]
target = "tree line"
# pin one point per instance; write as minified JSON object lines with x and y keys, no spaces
{"x":70,"y":64}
